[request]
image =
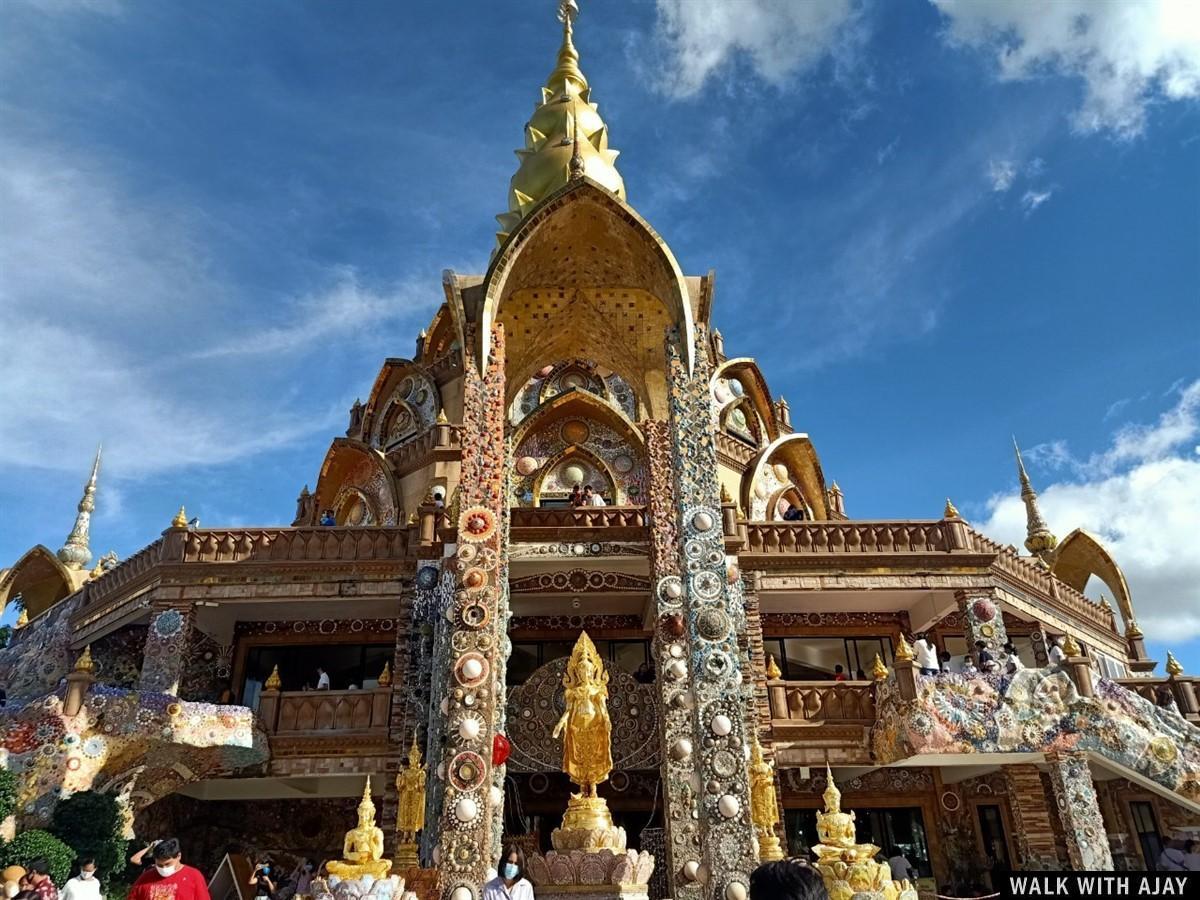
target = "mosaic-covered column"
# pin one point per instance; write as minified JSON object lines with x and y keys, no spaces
{"x":401,"y":720}
{"x":435,"y":592}
{"x":713,"y":616}
{"x":676,"y":699}
{"x":166,"y":654}
{"x":471,"y":813}
{"x":1075,"y":795}
{"x":1032,"y":827}
{"x":983,"y":620}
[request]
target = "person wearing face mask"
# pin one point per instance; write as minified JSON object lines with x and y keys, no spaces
{"x":511,"y":883}
{"x":170,"y":879}
{"x":83,"y":886}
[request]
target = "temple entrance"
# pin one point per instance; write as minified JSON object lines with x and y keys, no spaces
{"x":895,"y":830}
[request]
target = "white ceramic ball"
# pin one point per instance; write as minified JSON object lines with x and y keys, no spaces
{"x":469,"y":729}
{"x":735,"y":890}
{"x":729,"y":806}
{"x":702,"y":521}
{"x":691,"y":869}
{"x":682,"y":749}
{"x":721,"y":725}
{"x":466,"y":809}
{"x":677,"y":669}
{"x":462,"y":893}
{"x":472,"y":668}
{"x":674,"y":590}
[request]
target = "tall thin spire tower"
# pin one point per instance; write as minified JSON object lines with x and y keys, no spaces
{"x":76,"y":553}
{"x":1039,"y":539}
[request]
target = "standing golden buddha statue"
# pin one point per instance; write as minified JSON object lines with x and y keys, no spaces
{"x":587,"y":753}
{"x":764,"y":808}
{"x":410,"y":814}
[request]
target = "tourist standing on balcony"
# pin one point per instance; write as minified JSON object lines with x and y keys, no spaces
{"x":1057,"y":654}
{"x":576,"y":498}
{"x":170,"y":879}
{"x":327,"y":518}
{"x":927,"y":655}
{"x":510,"y":883}
{"x":592,"y":497}
{"x":986,"y":662}
{"x":839,"y":673}
{"x":1012,"y":660}
{"x":322,"y":679}
{"x":39,"y":877}
{"x":83,"y":886}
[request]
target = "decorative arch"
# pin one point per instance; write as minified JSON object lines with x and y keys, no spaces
{"x":355,"y":477}
{"x":754,"y":429}
{"x":746,"y":372}
{"x":41,"y":580}
{"x":581,"y":454}
{"x":442,"y":334}
{"x":584,"y":222}
{"x":791,"y":494}
{"x":797,"y":455}
{"x":1079,"y":556}
{"x":401,"y":385}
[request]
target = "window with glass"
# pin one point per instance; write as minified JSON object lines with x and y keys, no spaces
{"x":1145,"y":824}
{"x":348,"y":665}
{"x":828,"y":658}
{"x":528,"y":656}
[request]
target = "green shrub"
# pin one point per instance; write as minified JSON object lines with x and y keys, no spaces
{"x":31,"y":845}
{"x":91,"y":824}
{"x":8,"y":794}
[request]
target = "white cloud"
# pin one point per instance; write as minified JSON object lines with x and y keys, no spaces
{"x":779,"y":38}
{"x":1127,"y":52}
{"x":1001,"y":173}
{"x":1141,"y":496}
{"x":1032,"y":199}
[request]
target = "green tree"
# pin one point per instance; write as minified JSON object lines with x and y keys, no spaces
{"x":91,"y":824}
{"x":8,"y":794}
{"x":31,"y":845}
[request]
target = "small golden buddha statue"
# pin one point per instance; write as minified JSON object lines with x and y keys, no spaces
{"x":362,"y":850}
{"x":587,"y":753}
{"x":847,"y":867}
{"x":764,"y":808}
{"x":410,"y":815}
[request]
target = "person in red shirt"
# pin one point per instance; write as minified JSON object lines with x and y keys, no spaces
{"x":39,"y":877}
{"x":170,"y":879}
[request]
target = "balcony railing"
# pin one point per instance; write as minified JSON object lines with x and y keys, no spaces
{"x":318,"y":714}
{"x":821,"y":703}
{"x":852,"y":538}
{"x":579,"y":523}
{"x":1183,"y":691}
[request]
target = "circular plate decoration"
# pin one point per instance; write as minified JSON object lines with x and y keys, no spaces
{"x":168,"y":623}
{"x":539,"y":783}
{"x":427,"y":577}
{"x":467,"y":552}
{"x":619,"y":781}
{"x":951,"y":801}
{"x":724,"y":763}
{"x":572,"y":474}
{"x":623,"y":464}
{"x":760,"y":490}
{"x":736,"y":388}
{"x":406,"y":387}
{"x":575,"y":431}
{"x":706,"y":585}
{"x":721,"y":391}
{"x":984,"y":610}
{"x":712,"y":624}
{"x":987,"y":630}
{"x":471,"y":669}
{"x":477,"y":524}
{"x":693,"y":549}
{"x":703,"y":520}
{"x":670,"y":589}
{"x":467,"y":771}
{"x":474,"y":614}
{"x":474,"y":578}
{"x":527,"y":465}
{"x":1163,"y":749}
{"x":781,"y":472}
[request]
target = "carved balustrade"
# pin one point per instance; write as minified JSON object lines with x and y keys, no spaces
{"x":319,"y":714}
{"x":1183,"y":690}
{"x":610,"y":523}
{"x":821,"y":702}
{"x":850,"y":538}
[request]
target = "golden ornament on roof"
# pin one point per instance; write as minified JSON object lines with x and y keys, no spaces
{"x":904,"y":650}
{"x":385,"y":677}
{"x":878,"y":670}
{"x":1174,"y":667}
{"x":1070,"y":647}
{"x":84,"y":663}
{"x":773,"y":672}
{"x":273,"y":682}
{"x":950,"y":512}
{"x":180,"y":520}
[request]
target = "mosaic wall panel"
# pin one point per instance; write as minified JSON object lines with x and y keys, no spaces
{"x":1075,"y":795}
{"x":539,"y":460}
{"x":207,"y":669}
{"x":40,"y":654}
{"x":118,"y":656}
{"x":588,"y":623}
{"x":471,"y":814}
{"x":983,"y":621}
{"x":1038,"y":711}
{"x":713,"y":614}
{"x":578,"y":581}
{"x":167,"y":644}
{"x":562,"y":550}
{"x":365,"y":496}
{"x":434,"y":600}
{"x":368,"y":629}
{"x":535,"y":706}
{"x":411,"y":408}
{"x":574,"y":374}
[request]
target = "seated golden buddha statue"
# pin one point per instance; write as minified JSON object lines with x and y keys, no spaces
{"x":362,"y":850}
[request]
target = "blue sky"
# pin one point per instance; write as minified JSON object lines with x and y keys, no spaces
{"x":935,"y":225}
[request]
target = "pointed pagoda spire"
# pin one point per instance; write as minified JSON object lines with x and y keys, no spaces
{"x":564,"y":140}
{"x":1039,"y":539}
{"x":75,"y":553}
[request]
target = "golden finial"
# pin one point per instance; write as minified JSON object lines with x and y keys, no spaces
{"x":725,"y":498}
{"x":273,"y":682}
{"x":180,"y":520}
{"x":773,"y":672}
{"x":385,"y":677}
{"x":412,"y":518}
{"x":1133,"y":631}
{"x":23,"y":618}
{"x":904,"y":650}
{"x":1039,"y":539}
{"x":950,"y":512}
{"x":1070,"y":647}
{"x":878,"y":670}
{"x":84,"y":663}
{"x":1174,"y":667}
{"x":441,"y":417}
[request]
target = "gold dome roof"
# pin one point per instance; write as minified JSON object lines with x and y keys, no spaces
{"x":564,"y":124}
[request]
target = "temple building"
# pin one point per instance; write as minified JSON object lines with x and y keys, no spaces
{"x":235,"y":686}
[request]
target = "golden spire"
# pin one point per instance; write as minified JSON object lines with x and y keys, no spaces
{"x":1070,"y":647}
{"x":878,"y":670}
{"x":180,"y":520}
{"x":773,"y":672}
{"x":1174,"y":667}
{"x":75,"y":553}
{"x":385,"y":677}
{"x":441,"y":417}
{"x":1132,"y":630}
{"x":84,"y":663}
{"x":950,"y":512}
{"x":904,"y":650}
{"x":273,"y":682}
{"x":1039,"y":539}
{"x":565,"y":139}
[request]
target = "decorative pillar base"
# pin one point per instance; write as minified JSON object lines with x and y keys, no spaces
{"x":600,"y":875}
